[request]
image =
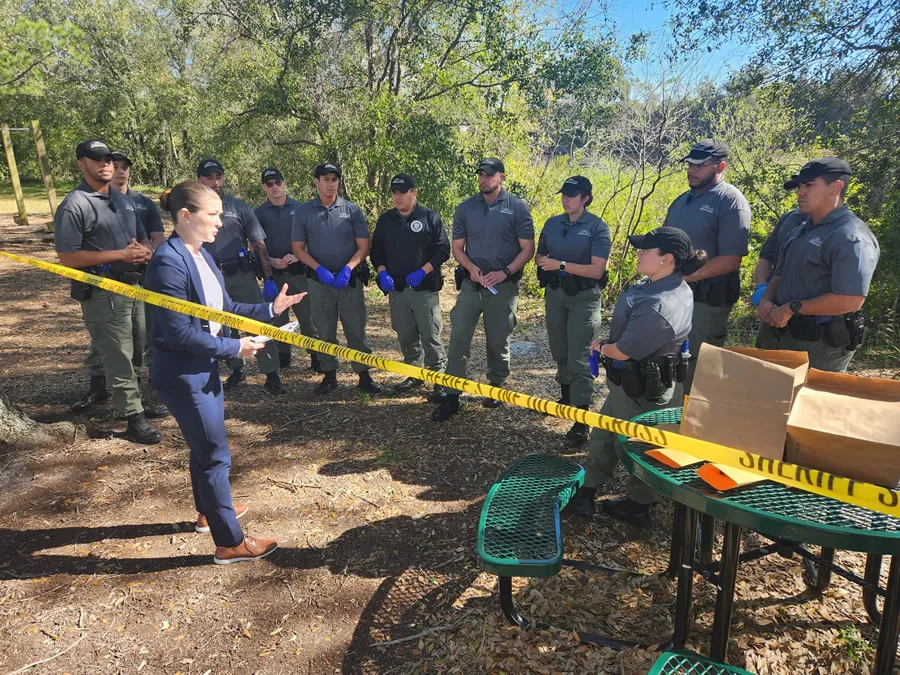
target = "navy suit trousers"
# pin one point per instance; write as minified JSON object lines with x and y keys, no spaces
{"x":200,"y":414}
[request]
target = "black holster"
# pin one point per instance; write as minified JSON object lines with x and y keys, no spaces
{"x":723,"y":291}
{"x":459,"y":276}
{"x":845,"y":331}
{"x":80,"y":291}
{"x":361,"y":273}
{"x":256,"y":266}
{"x":231,"y":267}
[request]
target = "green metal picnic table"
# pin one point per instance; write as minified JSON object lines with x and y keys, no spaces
{"x":784,"y":515}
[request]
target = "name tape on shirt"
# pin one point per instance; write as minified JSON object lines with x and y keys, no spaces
{"x":865,"y":495}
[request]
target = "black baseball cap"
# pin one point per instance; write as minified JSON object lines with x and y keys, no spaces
{"x":706,"y":150}
{"x":271,"y":173}
{"x":119,"y":156}
{"x":93,"y":148}
{"x":576,"y":185}
{"x":818,"y":167}
{"x":402,"y":183}
{"x":208,"y":166}
{"x":666,"y":239}
{"x":491,"y":165}
{"x":326,"y":168}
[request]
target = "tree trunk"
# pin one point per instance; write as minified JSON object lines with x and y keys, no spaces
{"x":20,"y":431}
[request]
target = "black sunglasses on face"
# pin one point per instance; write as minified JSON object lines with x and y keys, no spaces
{"x":273,"y":183}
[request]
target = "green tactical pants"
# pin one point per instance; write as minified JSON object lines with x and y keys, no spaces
{"x":604,"y":447}
{"x":416,"y":317}
{"x":243,"y":287}
{"x":297,"y":283}
{"x":573,"y":321}
{"x":708,"y":324}
{"x":498,"y":314}
{"x":821,"y":356}
{"x":113,"y":321}
{"x":142,"y":351}
{"x":347,"y":304}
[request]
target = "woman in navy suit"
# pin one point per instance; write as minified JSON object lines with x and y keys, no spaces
{"x":185,"y":361}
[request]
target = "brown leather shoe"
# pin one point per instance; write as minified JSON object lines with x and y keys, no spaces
{"x":202,"y":526}
{"x":249,"y":549}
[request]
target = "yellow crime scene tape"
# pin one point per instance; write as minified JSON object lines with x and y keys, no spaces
{"x":847,"y":490}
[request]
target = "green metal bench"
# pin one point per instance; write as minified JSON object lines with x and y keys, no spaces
{"x":519,"y":533}
{"x":672,"y":663}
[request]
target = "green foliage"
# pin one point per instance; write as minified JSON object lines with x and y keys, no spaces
{"x":429,"y":88}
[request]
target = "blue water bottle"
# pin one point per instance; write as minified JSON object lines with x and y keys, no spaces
{"x":682,"y":368}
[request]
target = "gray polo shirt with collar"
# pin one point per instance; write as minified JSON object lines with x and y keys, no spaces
{"x":653,"y":318}
{"x":837,"y":255}
{"x":492,"y":231}
{"x":239,"y":225}
{"x":277,"y":222}
{"x":88,"y":220}
{"x":330,"y":232}
{"x":577,"y":242}
{"x":717,"y":221}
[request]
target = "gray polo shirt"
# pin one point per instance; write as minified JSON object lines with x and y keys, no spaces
{"x":239,"y":225}
{"x":653,"y":318}
{"x":330,"y":232}
{"x":717,"y":221}
{"x":785,"y":225}
{"x":492,"y":231}
{"x":94,"y":221}
{"x":577,"y":242}
{"x":147,"y":213}
{"x":277,"y":222}
{"x":838,"y":255}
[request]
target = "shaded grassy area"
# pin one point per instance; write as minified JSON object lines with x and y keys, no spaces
{"x":36,"y":196}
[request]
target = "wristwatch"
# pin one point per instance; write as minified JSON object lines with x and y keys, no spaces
{"x":507,"y":272}
{"x":562,"y":265}
{"x":795,"y":306}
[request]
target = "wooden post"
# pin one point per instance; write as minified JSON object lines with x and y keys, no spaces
{"x":14,"y":175}
{"x":45,"y":168}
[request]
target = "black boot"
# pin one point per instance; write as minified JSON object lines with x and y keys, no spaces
{"x":449,"y":406}
{"x":578,"y":434}
{"x":367,"y":384}
{"x":155,"y":411}
{"x":628,"y":510}
{"x":236,"y":377}
{"x":438,"y":395}
{"x":96,"y":393}
{"x":314,"y":363}
{"x":409,"y":384}
{"x":284,"y":360}
{"x":566,"y":397}
{"x":273,"y":384}
{"x":328,"y":383}
{"x":582,"y":502}
{"x":141,"y":431}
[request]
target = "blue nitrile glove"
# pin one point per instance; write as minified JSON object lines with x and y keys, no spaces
{"x":385,"y":281}
{"x":594,"y":360}
{"x":758,"y":294}
{"x":342,"y":279}
{"x":415,"y":278}
{"x":325,"y":276}
{"x":270,"y":290}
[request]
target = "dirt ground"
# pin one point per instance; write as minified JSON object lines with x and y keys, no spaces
{"x":375,"y":508}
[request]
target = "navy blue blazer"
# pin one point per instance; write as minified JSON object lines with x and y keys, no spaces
{"x":184,"y":353}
